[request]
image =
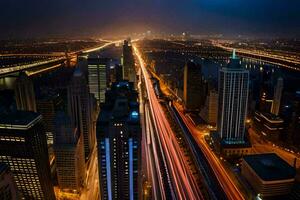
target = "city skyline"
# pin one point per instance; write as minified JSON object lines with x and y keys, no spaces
{"x":150,"y":100}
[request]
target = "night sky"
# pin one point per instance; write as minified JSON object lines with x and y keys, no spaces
{"x":42,"y":18}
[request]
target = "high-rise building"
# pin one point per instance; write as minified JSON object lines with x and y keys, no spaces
{"x":209,"y":113}
{"x":79,"y":109}
{"x":128,"y":62}
{"x":232,"y":103}
{"x":118,"y":143}
{"x":8,"y":188}
{"x":193,"y":96}
{"x":69,"y":154}
{"x":24,"y":93}
{"x":277,"y":97}
{"x":48,"y":105}
{"x":97,"y":77}
{"x":23,"y":147}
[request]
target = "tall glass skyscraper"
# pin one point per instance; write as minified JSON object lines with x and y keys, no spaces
{"x":233,"y":101}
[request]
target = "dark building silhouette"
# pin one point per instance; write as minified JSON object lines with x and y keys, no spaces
{"x":24,"y":93}
{"x":80,"y":109}
{"x":8,"y":188}
{"x":118,"y":143}
{"x":193,"y":88}
{"x":69,"y":153}
{"x":23,"y":147}
{"x":128,"y":62}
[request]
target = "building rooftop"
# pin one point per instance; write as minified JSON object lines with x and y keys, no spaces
{"x":19,"y":119}
{"x":270,"y":167}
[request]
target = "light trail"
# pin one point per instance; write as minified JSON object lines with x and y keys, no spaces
{"x":184,"y":186}
{"x":224,"y":179}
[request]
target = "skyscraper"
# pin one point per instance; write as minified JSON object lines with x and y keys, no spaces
{"x":47,"y":105}
{"x":23,"y":147}
{"x":128,"y":62}
{"x":24,"y":93}
{"x":118,"y":143}
{"x":233,"y":100}
{"x":79,"y":109}
{"x":97,"y":77}
{"x":193,"y":96}
{"x":69,"y":153}
{"x":277,"y":97}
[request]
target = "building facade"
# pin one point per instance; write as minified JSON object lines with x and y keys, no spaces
{"x":23,"y":147}
{"x":8,"y":188}
{"x":80,"y":109}
{"x":209,"y":113}
{"x":129,"y":73}
{"x":118,"y":143}
{"x":277,"y":97}
{"x":233,"y":102}
{"x":69,"y":153}
{"x":97,"y":77}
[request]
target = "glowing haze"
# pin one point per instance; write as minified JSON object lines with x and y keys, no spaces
{"x":32,"y":18}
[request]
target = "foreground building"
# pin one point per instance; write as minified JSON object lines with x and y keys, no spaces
{"x":23,"y":147}
{"x":268,"y":174}
{"x":118,"y":143}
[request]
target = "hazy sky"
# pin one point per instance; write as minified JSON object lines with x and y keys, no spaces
{"x":31,"y":18}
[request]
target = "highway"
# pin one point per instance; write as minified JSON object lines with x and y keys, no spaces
{"x":152,"y":169}
{"x":226,"y":182}
{"x":183,"y":184}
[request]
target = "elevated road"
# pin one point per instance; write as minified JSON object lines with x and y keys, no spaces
{"x":181,"y":178}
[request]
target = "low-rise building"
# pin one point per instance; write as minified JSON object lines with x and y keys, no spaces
{"x":268,"y":174}
{"x":268,"y":125}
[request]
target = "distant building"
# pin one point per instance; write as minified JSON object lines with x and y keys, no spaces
{"x":268,"y":174}
{"x":24,"y":93}
{"x":128,"y":62}
{"x":277,"y":97}
{"x":98,"y":77}
{"x":233,"y":100}
{"x":265,"y":102}
{"x":268,"y":125}
{"x":193,"y":96}
{"x":80,"y":109}
{"x":23,"y":147}
{"x":69,"y":153}
{"x":8,"y":188}
{"x":209,"y":113}
{"x":119,"y":144}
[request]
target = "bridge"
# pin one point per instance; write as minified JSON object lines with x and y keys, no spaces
{"x":53,"y":61}
{"x":291,"y":63}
